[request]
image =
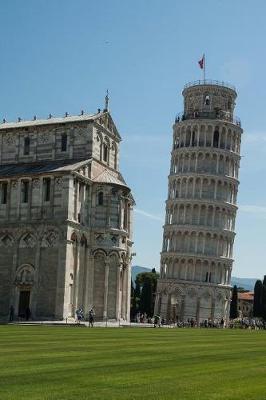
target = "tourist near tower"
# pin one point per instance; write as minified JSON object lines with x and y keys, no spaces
{"x":196,"y":258}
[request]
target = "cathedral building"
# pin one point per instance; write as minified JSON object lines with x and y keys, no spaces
{"x":65,"y":219}
{"x":197,"y":254}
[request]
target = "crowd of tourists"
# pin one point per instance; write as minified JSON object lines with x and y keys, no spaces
{"x":240,"y":323}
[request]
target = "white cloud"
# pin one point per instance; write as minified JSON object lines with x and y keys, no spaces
{"x":148,"y":215}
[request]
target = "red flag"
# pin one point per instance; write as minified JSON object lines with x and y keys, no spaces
{"x":202,"y":62}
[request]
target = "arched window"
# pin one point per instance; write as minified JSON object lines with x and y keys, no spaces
{"x":24,"y":191}
{"x":193,"y":140}
{"x":26,"y":146}
{"x":216,"y":138}
{"x":46,"y":188}
{"x":3,"y":190}
{"x":64,"y":142}
{"x":100,"y":199}
{"x":207,"y":100}
{"x":74,"y":237}
{"x":105,"y":152}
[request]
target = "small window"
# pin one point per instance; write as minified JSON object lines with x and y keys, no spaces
{"x":207,"y":100}
{"x":46,"y":189}
{"x":100,"y":199}
{"x":25,"y":191}
{"x":26,"y":146}
{"x":4,"y":193}
{"x":105,"y":152}
{"x":193,"y":140}
{"x":216,"y":138}
{"x":64,"y":142}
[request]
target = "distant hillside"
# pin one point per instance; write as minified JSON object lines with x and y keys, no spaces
{"x":136,"y":269}
{"x":246,"y":283}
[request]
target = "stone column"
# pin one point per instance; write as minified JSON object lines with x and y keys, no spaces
{"x":198,"y":311}
{"x":90,"y":280}
{"x":123,"y":302}
{"x":156,"y":305}
{"x":182,"y":309}
{"x":118,"y":292}
{"x":164,"y":304}
{"x":62,"y":309}
{"x":14,"y":290}
{"x":106,"y":284}
{"x":76,"y":275}
{"x":35,"y":288}
{"x":128,"y":287}
{"x":212,"y":308}
{"x":87,"y":278}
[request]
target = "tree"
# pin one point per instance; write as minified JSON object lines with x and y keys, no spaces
{"x":233,"y":306}
{"x":146,"y":283}
{"x":257,"y":302}
{"x":146,"y":298}
{"x":133,"y":304}
{"x":263,"y":299}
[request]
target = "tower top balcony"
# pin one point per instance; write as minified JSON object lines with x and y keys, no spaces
{"x":210,"y":82}
{"x":214,"y":115}
{"x":209,"y":99}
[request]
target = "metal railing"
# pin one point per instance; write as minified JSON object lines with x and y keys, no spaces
{"x":220,"y":115}
{"x":210,"y":82}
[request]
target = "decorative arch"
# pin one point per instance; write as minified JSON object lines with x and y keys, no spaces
{"x":74,"y":237}
{"x":6,"y":240}
{"x":25,"y":275}
{"x":50,"y":239}
{"x":99,"y":253}
{"x":28,"y":239}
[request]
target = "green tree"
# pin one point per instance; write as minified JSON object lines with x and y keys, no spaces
{"x":133,"y":304}
{"x":263,"y":299}
{"x":233,"y":306}
{"x":146,"y":298}
{"x":147,"y":283}
{"x":257,"y":302}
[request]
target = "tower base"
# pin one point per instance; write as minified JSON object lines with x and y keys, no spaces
{"x":185,"y":301}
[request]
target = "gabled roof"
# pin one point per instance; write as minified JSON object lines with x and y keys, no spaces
{"x":102,"y":118}
{"x":108,"y":176}
{"x":51,"y":121}
{"x":40,"y":167}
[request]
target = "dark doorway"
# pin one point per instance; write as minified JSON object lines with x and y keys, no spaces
{"x":24,"y":303}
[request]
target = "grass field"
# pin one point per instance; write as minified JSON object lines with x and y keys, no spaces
{"x":79,"y":363}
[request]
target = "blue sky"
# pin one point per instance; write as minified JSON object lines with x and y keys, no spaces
{"x":61,"y":55}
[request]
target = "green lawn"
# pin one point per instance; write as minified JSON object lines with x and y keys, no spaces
{"x":131,"y":363}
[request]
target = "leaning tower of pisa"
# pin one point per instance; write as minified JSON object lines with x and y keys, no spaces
{"x":196,"y":258}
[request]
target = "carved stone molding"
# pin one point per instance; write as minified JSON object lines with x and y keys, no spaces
{"x":50,"y":239}
{"x":28,"y":240}
{"x":9,"y":139}
{"x":36,"y":183}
